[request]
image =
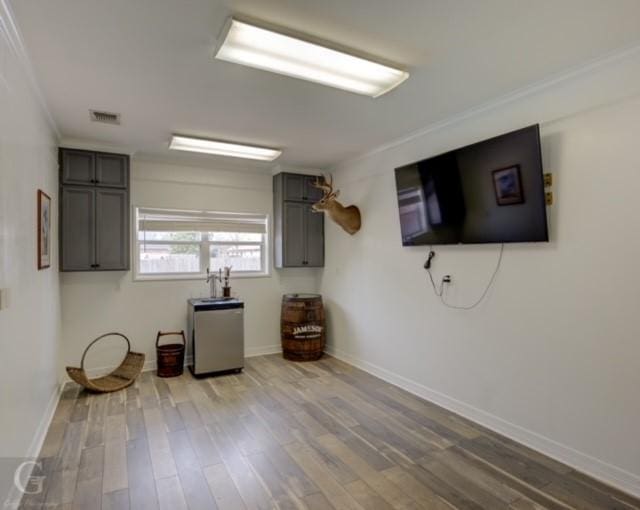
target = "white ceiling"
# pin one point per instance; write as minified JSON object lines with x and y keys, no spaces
{"x":150,"y":60}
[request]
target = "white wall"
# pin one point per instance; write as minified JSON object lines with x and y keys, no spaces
{"x":95,"y":303}
{"x":30,"y":325}
{"x":552,"y":356}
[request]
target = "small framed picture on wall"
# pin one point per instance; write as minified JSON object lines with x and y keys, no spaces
{"x":44,"y":230}
{"x":508,"y":186}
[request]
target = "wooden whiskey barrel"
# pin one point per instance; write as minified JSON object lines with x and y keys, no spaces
{"x":302,"y":327}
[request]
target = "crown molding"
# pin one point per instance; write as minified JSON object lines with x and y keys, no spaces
{"x":9,"y":29}
{"x":295,"y":170}
{"x":575,"y":73}
{"x":94,"y":145}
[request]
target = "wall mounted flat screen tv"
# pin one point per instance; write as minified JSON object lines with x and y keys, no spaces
{"x":488,"y":192}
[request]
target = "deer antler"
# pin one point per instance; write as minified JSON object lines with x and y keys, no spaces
{"x":325,"y":186}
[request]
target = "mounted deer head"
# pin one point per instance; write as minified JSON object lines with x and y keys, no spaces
{"x":347,"y":217}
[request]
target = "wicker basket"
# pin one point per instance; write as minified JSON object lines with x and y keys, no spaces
{"x":120,"y":378}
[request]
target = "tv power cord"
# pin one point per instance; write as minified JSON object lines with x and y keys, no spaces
{"x":446,"y":279}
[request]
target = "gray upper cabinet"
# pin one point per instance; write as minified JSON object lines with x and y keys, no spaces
{"x":94,"y":211}
{"x":294,"y":187}
{"x":314,"y":226}
{"x":112,"y":229}
{"x":112,"y":170}
{"x":298,"y":231}
{"x":77,"y":167}
{"x":294,"y":232}
{"x":300,"y":188}
{"x":77,"y":235}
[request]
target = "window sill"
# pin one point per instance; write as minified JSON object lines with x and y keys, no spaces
{"x":195,"y":277}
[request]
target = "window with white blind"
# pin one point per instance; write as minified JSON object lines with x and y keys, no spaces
{"x":183,"y":244}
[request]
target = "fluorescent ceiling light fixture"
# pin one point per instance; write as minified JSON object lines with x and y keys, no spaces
{"x":235,"y":150}
{"x":264,"y":49}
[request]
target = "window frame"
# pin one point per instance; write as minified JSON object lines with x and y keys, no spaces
{"x":205,"y":249}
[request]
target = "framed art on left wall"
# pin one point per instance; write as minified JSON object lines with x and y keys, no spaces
{"x":44,"y":230}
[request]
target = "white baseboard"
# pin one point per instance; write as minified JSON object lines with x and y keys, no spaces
{"x":250,"y":352}
{"x":151,"y":364}
{"x":596,"y":468}
{"x":13,"y":499}
{"x":43,"y":428}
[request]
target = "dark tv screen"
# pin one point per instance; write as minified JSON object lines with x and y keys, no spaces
{"x":488,"y":192}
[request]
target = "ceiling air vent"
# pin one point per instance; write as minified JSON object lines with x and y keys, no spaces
{"x":104,"y":117}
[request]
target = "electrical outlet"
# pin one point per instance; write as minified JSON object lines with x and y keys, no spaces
{"x":548,"y":180}
{"x":4,"y":299}
{"x":548,"y":196}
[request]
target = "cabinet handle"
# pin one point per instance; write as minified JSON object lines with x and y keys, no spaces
{"x":95,"y":265}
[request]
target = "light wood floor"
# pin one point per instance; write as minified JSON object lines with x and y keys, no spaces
{"x":319,"y":435}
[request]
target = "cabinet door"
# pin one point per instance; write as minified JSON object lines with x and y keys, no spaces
{"x":294,"y":234}
{"x":77,"y":167}
{"x":278,"y":204}
{"x":112,"y":229}
{"x":77,"y":229}
{"x":315,"y":237}
{"x":313,"y":194}
{"x":112,"y":170}
{"x":294,"y":187}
